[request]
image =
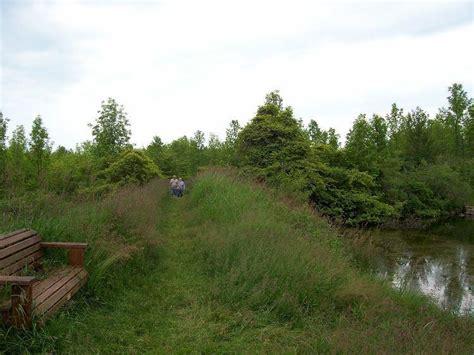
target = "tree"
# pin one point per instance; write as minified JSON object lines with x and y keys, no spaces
{"x":457,"y":115}
{"x":315,"y":134}
{"x":469,"y":131}
{"x":17,"y":169}
{"x":18,"y":141}
{"x":273,"y":142}
{"x":418,"y":143}
{"x":197,"y":152}
{"x":321,"y":137}
{"x":3,"y":146}
{"x":61,"y":151}
{"x":333,"y":138}
{"x":155,"y":149}
{"x":360,"y":146}
{"x":230,"y":143}
{"x":199,"y":139}
{"x":111,"y":130}
{"x":178,"y":157}
{"x":215,"y":151}
{"x":40,"y":147}
{"x":394,"y":120}
{"x":232,"y":133}
{"x":379,"y":130}
{"x":3,"y":132}
{"x":273,"y":101}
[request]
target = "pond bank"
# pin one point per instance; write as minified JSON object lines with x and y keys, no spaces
{"x":438,"y":261}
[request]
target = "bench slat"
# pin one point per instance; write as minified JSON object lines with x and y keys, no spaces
{"x":6,"y":235}
{"x":60,"y":289}
{"x":17,"y":256}
{"x":43,"y":285}
{"x":82,"y":276}
{"x":26,"y":262}
{"x":56,"y":286}
{"x":11,"y":234}
{"x":63,"y":300}
{"x":19,"y":246}
{"x":15,"y":238}
{"x":52,"y":284}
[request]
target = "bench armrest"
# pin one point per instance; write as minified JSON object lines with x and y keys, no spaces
{"x":75,"y":251}
{"x":63,"y":245}
{"x":16,"y":280}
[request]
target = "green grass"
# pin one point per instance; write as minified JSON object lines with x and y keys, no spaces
{"x":233,"y":268}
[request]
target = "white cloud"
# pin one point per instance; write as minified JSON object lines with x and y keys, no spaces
{"x":179,"y":66}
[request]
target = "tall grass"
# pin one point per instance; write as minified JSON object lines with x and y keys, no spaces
{"x":286,"y":262}
{"x":122,"y":237}
{"x":259,"y":259}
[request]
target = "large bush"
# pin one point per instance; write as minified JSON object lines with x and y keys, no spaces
{"x":347,"y":196}
{"x":434,"y":191}
{"x":132,"y":166}
{"x":273,"y":142}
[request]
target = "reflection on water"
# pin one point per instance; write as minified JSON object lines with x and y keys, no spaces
{"x":439,"y":262}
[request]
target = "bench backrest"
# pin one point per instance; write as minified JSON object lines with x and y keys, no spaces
{"x":19,"y":250}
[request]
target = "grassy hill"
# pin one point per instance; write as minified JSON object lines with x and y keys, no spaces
{"x":230,"y":267}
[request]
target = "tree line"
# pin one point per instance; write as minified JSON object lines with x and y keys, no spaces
{"x":401,"y":167}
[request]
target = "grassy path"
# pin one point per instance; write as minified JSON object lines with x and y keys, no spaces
{"x":166,"y":310}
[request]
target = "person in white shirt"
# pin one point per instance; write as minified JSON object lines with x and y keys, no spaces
{"x":174,"y":186}
{"x":181,"y":187}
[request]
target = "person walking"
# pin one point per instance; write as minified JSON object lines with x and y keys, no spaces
{"x":174,"y":186}
{"x":181,"y":187}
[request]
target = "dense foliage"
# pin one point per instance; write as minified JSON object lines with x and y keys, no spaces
{"x":397,"y":167}
{"x":400,"y":167}
{"x":132,"y":166}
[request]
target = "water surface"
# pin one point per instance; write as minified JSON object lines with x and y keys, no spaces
{"x":439,"y":262}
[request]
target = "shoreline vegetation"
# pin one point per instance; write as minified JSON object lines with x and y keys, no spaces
{"x":233,"y":266}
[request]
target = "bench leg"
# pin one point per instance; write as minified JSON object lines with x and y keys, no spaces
{"x":21,"y":310}
{"x":76,"y":257}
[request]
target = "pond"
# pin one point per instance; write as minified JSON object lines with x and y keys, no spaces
{"x":439,"y":262}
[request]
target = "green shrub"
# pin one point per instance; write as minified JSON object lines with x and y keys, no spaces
{"x":69,"y":172}
{"x":347,"y":195}
{"x":433,"y":191}
{"x":132,"y":166}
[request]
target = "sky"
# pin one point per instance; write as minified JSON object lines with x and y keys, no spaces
{"x":178,"y":66}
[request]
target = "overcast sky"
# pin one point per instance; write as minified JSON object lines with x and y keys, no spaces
{"x":178,"y":66}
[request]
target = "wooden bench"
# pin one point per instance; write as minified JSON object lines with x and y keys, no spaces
{"x":21,"y":251}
